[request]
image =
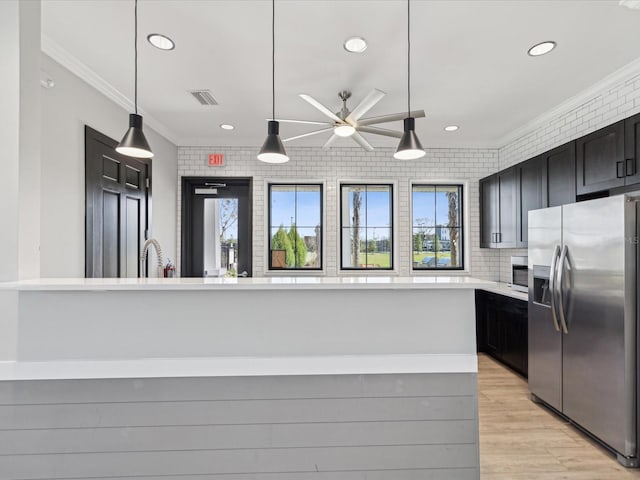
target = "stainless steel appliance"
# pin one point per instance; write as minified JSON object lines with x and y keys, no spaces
{"x":583,"y":337}
{"x":519,"y":274}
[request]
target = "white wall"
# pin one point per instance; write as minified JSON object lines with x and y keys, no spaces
{"x":66,"y":109}
{"x":616,"y":99}
{"x":353,"y":163}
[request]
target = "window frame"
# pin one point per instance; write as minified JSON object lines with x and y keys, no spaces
{"x":464,"y":221}
{"x":289,"y":271}
{"x":392,"y":212}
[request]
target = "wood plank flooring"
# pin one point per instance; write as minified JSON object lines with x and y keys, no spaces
{"x":520,"y":440}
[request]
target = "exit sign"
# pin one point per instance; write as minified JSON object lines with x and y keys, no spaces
{"x":216,"y":159}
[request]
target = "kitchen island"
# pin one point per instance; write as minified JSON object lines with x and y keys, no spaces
{"x":263,"y":378}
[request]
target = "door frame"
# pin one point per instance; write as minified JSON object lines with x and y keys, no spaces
{"x":90,"y":134}
{"x":187,"y":183}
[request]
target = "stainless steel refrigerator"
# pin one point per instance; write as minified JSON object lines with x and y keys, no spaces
{"x":583,"y":336}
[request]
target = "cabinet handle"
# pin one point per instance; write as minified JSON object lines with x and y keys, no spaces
{"x":630,"y":167}
{"x":499,"y":235}
{"x":620,"y":169}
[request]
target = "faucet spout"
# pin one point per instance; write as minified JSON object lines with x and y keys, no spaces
{"x":145,"y":252}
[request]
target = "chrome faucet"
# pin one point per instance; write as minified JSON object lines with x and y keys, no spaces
{"x":143,"y":257}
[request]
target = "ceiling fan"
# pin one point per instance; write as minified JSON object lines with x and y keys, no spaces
{"x":349,"y":123}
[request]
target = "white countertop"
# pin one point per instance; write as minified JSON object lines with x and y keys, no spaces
{"x":505,"y":289}
{"x":255,"y":283}
{"x":239,"y":366}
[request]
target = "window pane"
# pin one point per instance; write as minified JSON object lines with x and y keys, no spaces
{"x":366,"y":214}
{"x":307,"y":211}
{"x":424,"y":206}
{"x":447,"y":206}
{"x":296,"y":226}
{"x":378,"y":206}
{"x":283,"y":205}
{"x":307,"y":249}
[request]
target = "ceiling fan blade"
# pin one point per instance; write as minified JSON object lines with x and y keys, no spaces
{"x":306,"y":122}
{"x":390,"y":118}
{"x":365,"y":105}
{"x":363,"y":143}
{"x":330,"y":142}
{"x":322,"y":130}
{"x":313,"y":102}
{"x":379,"y":131}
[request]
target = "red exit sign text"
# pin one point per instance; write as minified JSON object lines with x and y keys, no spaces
{"x":216,"y":159}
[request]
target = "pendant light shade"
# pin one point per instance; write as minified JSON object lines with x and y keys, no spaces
{"x":409,"y":147}
{"x":134,"y":143}
{"x":272,"y":150}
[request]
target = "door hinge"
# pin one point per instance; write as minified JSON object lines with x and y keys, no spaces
{"x":148,"y":182}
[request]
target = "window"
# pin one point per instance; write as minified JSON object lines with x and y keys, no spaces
{"x":366,"y":227}
{"x":295,"y":227}
{"x":437,"y":227}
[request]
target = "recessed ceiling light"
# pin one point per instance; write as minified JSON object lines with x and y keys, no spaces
{"x":355,"y":44}
{"x":541,"y":48}
{"x":226,"y":126}
{"x":161,"y":41}
{"x":451,"y":128}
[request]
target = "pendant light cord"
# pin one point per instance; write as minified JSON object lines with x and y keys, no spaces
{"x":273,"y":59}
{"x":135,"y":48}
{"x":408,"y":60}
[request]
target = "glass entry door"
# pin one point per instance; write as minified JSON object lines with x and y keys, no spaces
{"x":216,"y":227}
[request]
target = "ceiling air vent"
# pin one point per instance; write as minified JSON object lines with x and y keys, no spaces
{"x":204,"y":97}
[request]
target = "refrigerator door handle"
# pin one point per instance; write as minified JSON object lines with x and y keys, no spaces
{"x":560,"y":268}
{"x":552,"y":283}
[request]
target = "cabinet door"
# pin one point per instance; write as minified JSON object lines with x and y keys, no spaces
{"x":507,"y":216}
{"x":529,"y":177}
{"x":600,"y":159}
{"x":493,"y":327}
{"x":514,"y":325}
{"x":488,"y":209}
{"x":632,"y":150}
{"x":560,"y":168}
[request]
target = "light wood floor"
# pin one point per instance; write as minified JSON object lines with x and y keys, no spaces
{"x":520,"y":440}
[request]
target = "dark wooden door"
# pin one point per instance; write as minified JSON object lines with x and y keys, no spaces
{"x":632,"y":150}
{"x":117,"y":197}
{"x":507,"y":216}
{"x":488,"y":212}
{"x":600,"y":160}
{"x":493,"y":327}
{"x":560,"y":167}
{"x":196,"y":191}
{"x":529,"y":178}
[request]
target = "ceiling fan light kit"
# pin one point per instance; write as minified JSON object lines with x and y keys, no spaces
{"x":409,"y":147}
{"x":134,"y":143}
{"x":272,"y":150}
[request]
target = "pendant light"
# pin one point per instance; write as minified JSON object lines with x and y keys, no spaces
{"x":409,"y":147}
{"x":134,"y":143}
{"x":272,"y":150}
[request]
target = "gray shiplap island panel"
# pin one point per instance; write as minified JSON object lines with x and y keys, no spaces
{"x":326,"y":427}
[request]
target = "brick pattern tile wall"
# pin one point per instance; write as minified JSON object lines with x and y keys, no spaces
{"x":604,"y":108}
{"x":338,"y":164}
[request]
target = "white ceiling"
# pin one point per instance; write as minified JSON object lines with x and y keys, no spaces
{"x":469,"y":61}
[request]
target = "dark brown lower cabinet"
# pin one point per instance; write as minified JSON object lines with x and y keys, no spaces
{"x":501,"y":329}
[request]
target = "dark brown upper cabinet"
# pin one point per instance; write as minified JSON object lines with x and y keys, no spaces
{"x":498,"y":214}
{"x":559,"y":186}
{"x":530,"y":176}
{"x":600,"y":161}
{"x":632,"y":150}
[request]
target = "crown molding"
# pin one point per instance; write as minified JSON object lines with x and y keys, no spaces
{"x":75,"y":66}
{"x":623,"y":74}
